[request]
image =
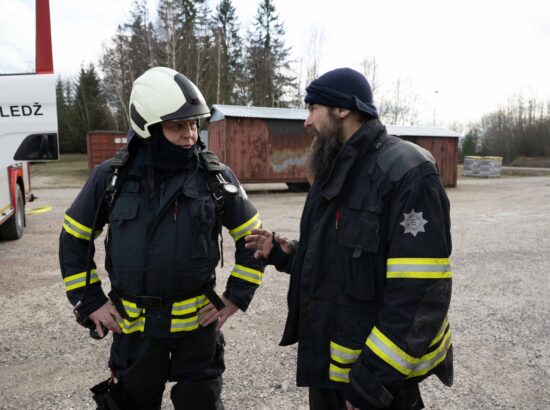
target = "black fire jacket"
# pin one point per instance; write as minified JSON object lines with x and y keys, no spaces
{"x":370,"y":281}
{"x":161,"y":244}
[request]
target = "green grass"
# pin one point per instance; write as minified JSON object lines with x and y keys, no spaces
{"x":70,"y":165}
{"x":71,"y":171}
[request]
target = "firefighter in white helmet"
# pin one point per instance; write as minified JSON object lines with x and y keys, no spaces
{"x":165,"y":200}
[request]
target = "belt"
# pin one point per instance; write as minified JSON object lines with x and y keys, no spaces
{"x":160,"y":302}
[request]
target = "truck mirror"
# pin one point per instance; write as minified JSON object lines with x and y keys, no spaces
{"x":38,"y":147}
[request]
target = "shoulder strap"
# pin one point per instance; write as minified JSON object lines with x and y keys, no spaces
{"x":210,"y":161}
{"x":215,"y":178}
{"x":120,"y":166}
{"x":215,"y":186}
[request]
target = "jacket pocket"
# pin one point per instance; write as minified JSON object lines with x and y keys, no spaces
{"x":359,"y":242}
{"x":125,"y":209}
{"x":126,"y":240}
{"x":203,"y":221}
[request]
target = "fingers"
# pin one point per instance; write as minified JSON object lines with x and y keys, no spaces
{"x":253,"y":241}
{"x":261,"y":232}
{"x":108,"y":316}
{"x":222,"y":320}
{"x":208,"y":314}
{"x":99,"y":328}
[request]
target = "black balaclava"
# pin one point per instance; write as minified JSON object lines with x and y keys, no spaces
{"x":168,"y":158}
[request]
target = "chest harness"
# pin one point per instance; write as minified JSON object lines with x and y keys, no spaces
{"x":219,"y":188}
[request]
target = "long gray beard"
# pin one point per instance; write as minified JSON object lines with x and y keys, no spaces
{"x":323,"y":154}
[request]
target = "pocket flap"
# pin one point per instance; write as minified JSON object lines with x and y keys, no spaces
{"x":130,"y":186}
{"x":125,"y":209}
{"x":360,"y":234}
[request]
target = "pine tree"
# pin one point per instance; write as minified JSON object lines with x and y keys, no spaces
{"x":267,"y":59}
{"x":62,"y":92}
{"x":134,"y":50}
{"x":229,"y":54}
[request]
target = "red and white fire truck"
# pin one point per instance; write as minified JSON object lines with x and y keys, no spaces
{"x":28,"y":127}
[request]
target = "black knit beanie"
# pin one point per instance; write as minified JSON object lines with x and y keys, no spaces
{"x":342,"y":88}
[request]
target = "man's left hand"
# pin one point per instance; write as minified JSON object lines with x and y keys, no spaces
{"x":350,"y":406}
{"x":209,"y":313}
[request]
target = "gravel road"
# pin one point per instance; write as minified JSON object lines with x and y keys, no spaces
{"x":500,"y":314}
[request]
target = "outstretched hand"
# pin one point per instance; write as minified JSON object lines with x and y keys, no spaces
{"x":261,"y":240}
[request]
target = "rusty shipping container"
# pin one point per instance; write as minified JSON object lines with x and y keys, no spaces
{"x":261,"y":144}
{"x":441,"y":142}
{"x":103,"y":145}
{"x":270,"y":144}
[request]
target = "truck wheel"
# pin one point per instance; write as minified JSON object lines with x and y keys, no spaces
{"x":13,"y":227}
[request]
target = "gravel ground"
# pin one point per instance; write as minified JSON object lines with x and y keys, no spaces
{"x":499,"y":315}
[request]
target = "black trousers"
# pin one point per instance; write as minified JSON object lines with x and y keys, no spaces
{"x":142,"y":366}
{"x":407,"y":398}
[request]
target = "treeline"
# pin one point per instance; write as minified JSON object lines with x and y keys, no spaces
{"x":254,"y":68}
{"x":204,"y":44}
{"x":522,"y":129}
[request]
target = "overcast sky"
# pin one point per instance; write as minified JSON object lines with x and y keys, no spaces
{"x":475,"y":53}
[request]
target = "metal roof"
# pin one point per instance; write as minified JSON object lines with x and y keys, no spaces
{"x":413,"y":131}
{"x":219,"y":112}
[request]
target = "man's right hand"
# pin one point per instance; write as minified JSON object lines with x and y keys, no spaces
{"x":108,"y":316}
{"x":262,"y":241}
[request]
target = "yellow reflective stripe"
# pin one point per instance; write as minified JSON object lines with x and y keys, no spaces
{"x":189,"y":305}
{"x":418,"y":268}
{"x":430,"y":360}
{"x":342,"y":354}
{"x":408,"y":365}
{"x":390,"y":352}
{"x":338,"y":374}
{"x":441,"y":333}
{"x":244,"y":229}
{"x":184,"y":325}
{"x":248,"y":274}
{"x":131,"y":308}
{"x":128,"y":326}
{"x":78,"y":230}
{"x":79,"y":280}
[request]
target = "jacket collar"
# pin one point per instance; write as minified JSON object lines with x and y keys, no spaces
{"x":355,"y":147}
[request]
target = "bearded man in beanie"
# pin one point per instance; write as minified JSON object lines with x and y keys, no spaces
{"x":370,"y":282}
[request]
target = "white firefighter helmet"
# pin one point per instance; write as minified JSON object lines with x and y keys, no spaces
{"x":162,"y":94}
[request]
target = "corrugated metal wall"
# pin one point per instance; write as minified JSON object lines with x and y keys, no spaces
{"x":103,"y":145}
{"x":260,"y":150}
{"x":445,"y":152}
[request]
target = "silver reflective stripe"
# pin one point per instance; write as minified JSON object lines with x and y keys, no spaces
{"x":338,"y":374}
{"x":252,"y":223}
{"x":185,"y":325}
{"x":131,"y":308}
{"x":134,"y":326}
{"x":403,"y":365}
{"x":441,"y":332}
{"x":79,"y":280}
{"x":255,"y":276}
{"x":76,"y":229}
{"x":419,"y":268}
{"x":179,"y":308}
{"x":425,"y":366}
{"x":343,"y":357}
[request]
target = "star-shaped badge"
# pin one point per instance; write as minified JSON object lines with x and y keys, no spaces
{"x":413,"y":222}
